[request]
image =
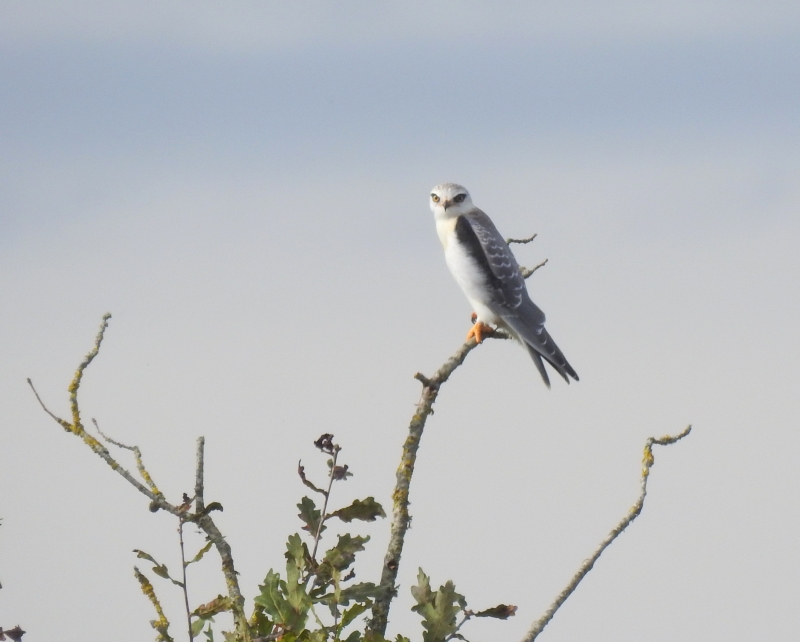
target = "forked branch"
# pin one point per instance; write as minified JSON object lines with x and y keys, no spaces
{"x":201,"y":515}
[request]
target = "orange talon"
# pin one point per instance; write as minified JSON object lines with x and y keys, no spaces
{"x":478,"y":330}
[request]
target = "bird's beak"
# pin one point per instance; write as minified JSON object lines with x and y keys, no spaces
{"x":446,"y":204}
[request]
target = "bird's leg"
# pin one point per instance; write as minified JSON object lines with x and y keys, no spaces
{"x":479,"y":330}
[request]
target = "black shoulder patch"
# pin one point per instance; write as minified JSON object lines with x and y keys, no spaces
{"x":467,"y":237}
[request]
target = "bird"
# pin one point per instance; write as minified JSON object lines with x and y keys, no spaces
{"x":485,"y":268}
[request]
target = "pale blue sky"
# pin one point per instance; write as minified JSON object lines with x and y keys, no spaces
{"x":245,"y":188}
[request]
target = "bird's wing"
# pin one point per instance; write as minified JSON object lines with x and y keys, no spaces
{"x":477,"y":232}
{"x":510,"y":296}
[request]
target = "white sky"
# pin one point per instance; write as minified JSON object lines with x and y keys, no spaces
{"x":245,"y":188}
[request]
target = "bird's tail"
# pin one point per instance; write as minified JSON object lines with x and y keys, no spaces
{"x":546,"y":348}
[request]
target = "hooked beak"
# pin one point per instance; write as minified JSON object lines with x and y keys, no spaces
{"x":446,"y":204}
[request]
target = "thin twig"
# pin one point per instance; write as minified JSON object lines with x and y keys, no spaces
{"x":199,"y":489}
{"x":467,"y":616}
{"x":632,"y":514}
{"x":137,"y":455}
{"x":157,"y":500}
{"x":526,"y":272}
{"x":521,"y":241}
{"x":183,"y":586}
{"x":336,"y":450}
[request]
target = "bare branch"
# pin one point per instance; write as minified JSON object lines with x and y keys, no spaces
{"x":526,"y":272}
{"x":521,"y":241}
{"x":633,"y":513}
{"x":77,"y":426}
{"x":183,"y":584}
{"x":206,"y":523}
{"x":137,"y":454}
{"x":400,"y":516}
{"x":157,"y":499}
{"x":199,"y":484}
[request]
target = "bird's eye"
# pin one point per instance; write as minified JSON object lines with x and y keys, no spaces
{"x":460,"y":198}
{"x":434,"y":198}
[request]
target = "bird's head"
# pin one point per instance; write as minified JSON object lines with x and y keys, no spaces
{"x":449,"y":200}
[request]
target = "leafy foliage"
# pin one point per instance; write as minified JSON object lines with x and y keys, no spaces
{"x":438,"y":610}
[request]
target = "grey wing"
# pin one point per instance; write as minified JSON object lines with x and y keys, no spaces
{"x":508,"y":284}
{"x":522,"y":316}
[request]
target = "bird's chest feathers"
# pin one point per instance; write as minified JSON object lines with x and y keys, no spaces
{"x":465,"y":268}
{"x":446,"y":230}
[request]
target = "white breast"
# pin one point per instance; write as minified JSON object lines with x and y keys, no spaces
{"x":466,"y":271}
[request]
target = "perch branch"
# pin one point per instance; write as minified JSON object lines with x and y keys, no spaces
{"x":400,"y":516}
{"x":633,"y":513}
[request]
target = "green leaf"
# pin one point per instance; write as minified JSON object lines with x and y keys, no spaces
{"x":158,"y":569}
{"x":343,"y":554}
{"x":145,"y":556}
{"x":197,"y":626}
{"x":367,"y":511}
{"x":200,"y":553}
{"x":283,"y":602}
{"x":297,"y":551}
{"x":209,"y":633}
{"x":261,"y":624}
{"x":352,"y":613}
{"x":360,"y":593}
{"x":310,"y":515}
{"x":438,"y":610}
{"x":162,"y":571}
{"x":501,"y":612}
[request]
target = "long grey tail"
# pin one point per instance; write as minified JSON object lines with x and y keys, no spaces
{"x":548,"y":349}
{"x":527,"y":323}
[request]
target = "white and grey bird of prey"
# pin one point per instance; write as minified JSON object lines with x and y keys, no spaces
{"x":489,"y":275}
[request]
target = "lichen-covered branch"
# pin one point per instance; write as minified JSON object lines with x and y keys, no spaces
{"x":206,"y":523}
{"x":400,"y":515}
{"x":633,"y":513}
{"x":150,"y":490}
{"x":162,"y":623}
{"x":137,"y":454}
{"x":400,"y":502}
{"x":157,"y":499}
